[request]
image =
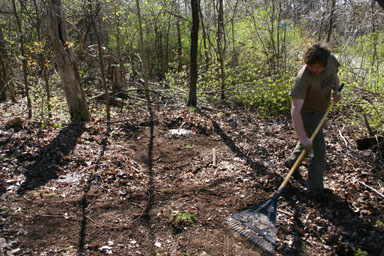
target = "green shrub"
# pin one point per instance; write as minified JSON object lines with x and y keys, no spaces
{"x":182,"y":219}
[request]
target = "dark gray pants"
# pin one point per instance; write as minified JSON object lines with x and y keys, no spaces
{"x":317,"y":155}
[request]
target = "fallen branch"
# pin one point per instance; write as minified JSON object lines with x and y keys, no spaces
{"x":101,"y":226}
{"x":371,"y":188}
{"x":285,"y":212}
{"x":344,"y":139}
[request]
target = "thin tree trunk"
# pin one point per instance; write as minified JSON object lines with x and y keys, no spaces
{"x":100,"y":59}
{"x":322,"y":22}
{"x":192,"y":100}
{"x":204,"y":33}
{"x":374,"y":37}
{"x":121,"y":60}
{"x":234,"y":50}
{"x":6,"y":83}
{"x":278,"y":48}
{"x":167,"y":48}
{"x":142,"y":49}
{"x":221,"y":46}
{"x":179,"y":46}
{"x":66,"y":63}
{"x":159,"y":51}
{"x":330,"y":25}
{"x":24,"y":59}
{"x":3,"y":84}
{"x":284,"y":47}
{"x":42,"y":61}
{"x":272,"y":38}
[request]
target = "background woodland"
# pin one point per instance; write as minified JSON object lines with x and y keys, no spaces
{"x":236,"y":52}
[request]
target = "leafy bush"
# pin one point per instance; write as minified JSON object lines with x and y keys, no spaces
{"x":267,"y":96}
{"x":364,"y":75}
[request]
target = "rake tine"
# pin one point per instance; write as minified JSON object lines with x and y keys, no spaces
{"x":257,"y":224}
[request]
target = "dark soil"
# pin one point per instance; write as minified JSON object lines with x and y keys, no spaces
{"x":133,"y":187}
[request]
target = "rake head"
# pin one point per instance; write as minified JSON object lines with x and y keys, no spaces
{"x":256,"y":224}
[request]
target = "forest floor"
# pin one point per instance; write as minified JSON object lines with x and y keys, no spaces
{"x":146,"y":184}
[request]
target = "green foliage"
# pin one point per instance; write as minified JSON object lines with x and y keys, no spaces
{"x":267,"y":96}
{"x":16,"y":211}
{"x":189,"y":147}
{"x":379,"y":224}
{"x":364,"y":75}
{"x":182,"y":219}
{"x":158,"y":253}
{"x":246,"y":84}
{"x":57,"y":125}
{"x":360,"y":252}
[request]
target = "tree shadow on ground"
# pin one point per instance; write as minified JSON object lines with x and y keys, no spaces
{"x":356,"y":232}
{"x":84,"y":199}
{"x":149,"y":160}
{"x":257,"y":167}
{"x":352,"y":231}
{"x":145,"y":217}
{"x":47,"y":162}
{"x":144,"y":220}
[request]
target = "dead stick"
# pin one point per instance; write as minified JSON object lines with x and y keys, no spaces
{"x":378,"y":145}
{"x":214,"y":157}
{"x":371,"y":188}
{"x":344,"y":139}
{"x":285,"y":212}
{"x":95,"y":223}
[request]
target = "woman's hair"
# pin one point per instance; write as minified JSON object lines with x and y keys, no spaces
{"x":317,"y":53}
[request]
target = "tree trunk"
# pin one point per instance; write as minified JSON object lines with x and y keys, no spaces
{"x":204,"y":34}
{"x":235,"y":54}
{"x":374,"y":36}
{"x":179,"y":46}
{"x":322,"y":22}
{"x":120,"y":55}
{"x":192,"y":101}
{"x":167,"y":48}
{"x":278,"y":36}
{"x":159,"y":51}
{"x":331,"y":17}
{"x":3,"y":95}
{"x":221,"y":46}
{"x":142,"y":49}
{"x":66,"y":63}
{"x":273,"y":45}
{"x":24,"y":59}
{"x":42,"y":61}
{"x":6,"y":82}
{"x":100,"y":59}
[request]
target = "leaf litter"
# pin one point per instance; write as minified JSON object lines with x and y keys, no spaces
{"x":81,"y":190}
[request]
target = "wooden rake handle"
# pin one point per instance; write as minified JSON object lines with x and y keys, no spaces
{"x":304,"y":152}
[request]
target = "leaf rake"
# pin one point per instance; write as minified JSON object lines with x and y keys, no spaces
{"x":258,"y":223}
